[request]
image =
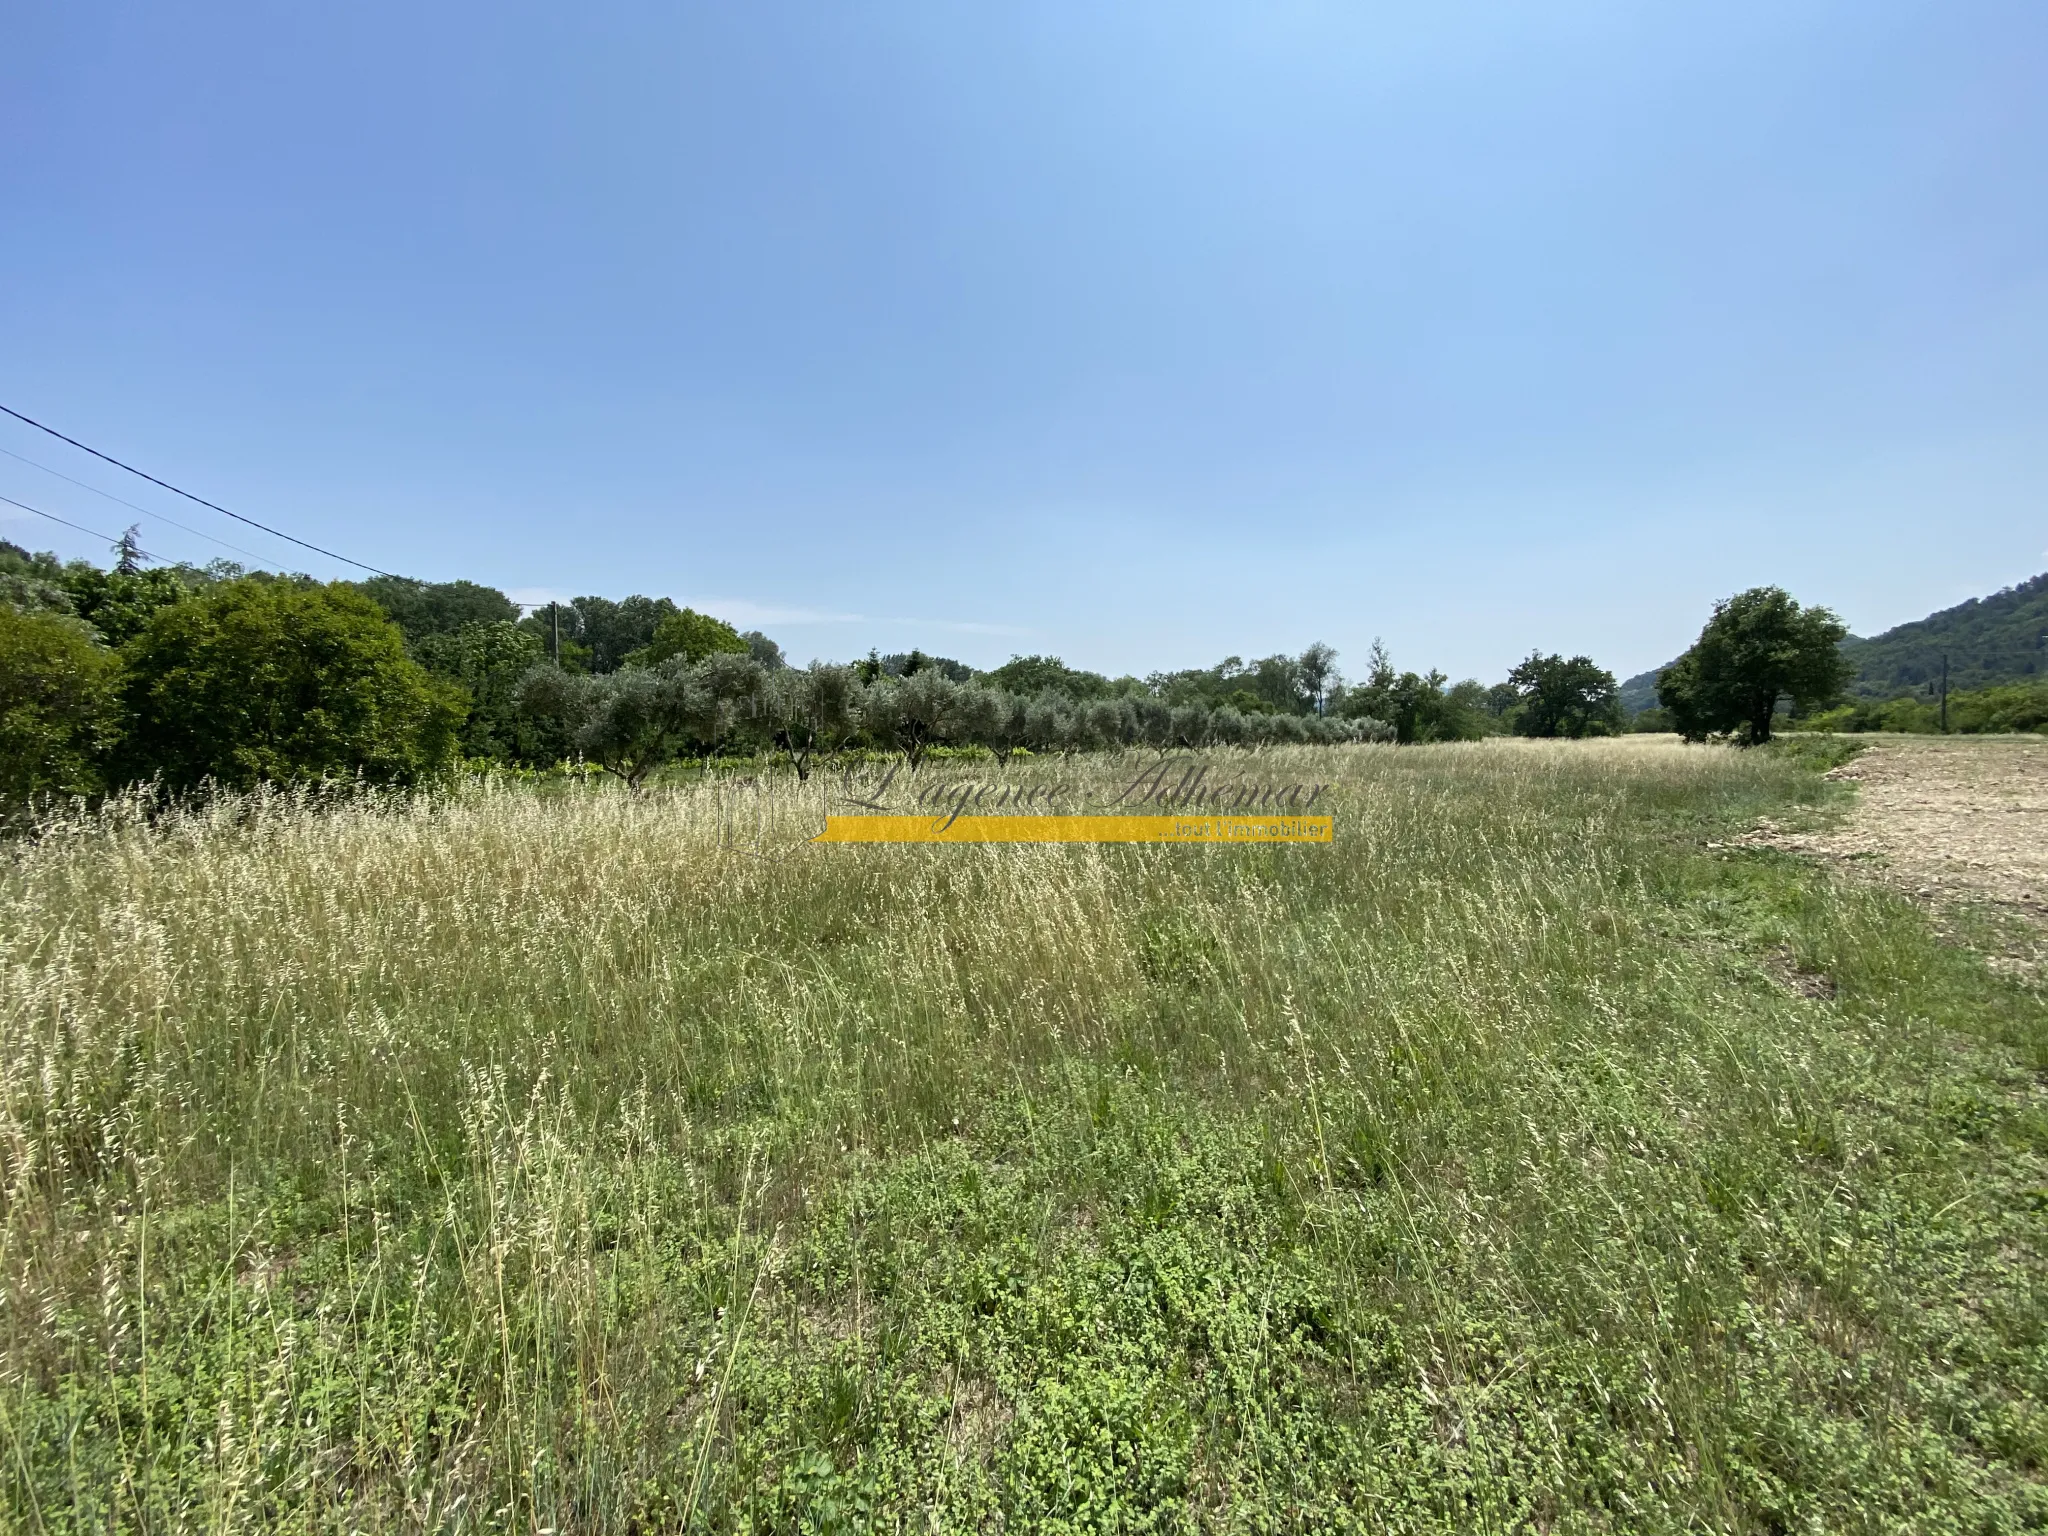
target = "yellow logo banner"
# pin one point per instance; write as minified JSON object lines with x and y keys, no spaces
{"x":1196,"y":827}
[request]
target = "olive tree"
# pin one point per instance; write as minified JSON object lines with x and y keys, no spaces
{"x":979,"y":715}
{"x":629,"y":722}
{"x":1047,"y":722}
{"x":909,"y":713}
{"x":634,"y":721}
{"x":812,"y":709}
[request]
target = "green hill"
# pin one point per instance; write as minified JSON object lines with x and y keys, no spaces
{"x":1995,"y":639}
{"x":2002,"y":638}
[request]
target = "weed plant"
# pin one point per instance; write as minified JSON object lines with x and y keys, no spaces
{"x":585,"y":1161}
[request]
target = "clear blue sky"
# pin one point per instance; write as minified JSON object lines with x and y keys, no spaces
{"x":1139,"y":334}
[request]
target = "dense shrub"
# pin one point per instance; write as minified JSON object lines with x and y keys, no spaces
{"x":2015,"y":707}
{"x":280,"y":680}
{"x":59,"y":707}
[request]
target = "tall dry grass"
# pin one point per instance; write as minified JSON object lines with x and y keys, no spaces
{"x":584,"y":1160}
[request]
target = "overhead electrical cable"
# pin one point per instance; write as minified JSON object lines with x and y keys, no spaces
{"x":174,"y":490}
{"x":53,"y":517}
{"x":134,"y":507}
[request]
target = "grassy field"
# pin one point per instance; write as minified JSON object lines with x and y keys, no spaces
{"x":584,"y":1162}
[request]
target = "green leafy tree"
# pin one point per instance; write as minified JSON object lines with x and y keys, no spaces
{"x":59,"y":707}
{"x":280,"y":680}
{"x":489,"y":661}
{"x":1315,"y":670}
{"x":422,"y":609}
{"x":689,"y":636}
{"x":1271,"y":685}
{"x":737,"y":686}
{"x":1419,"y":706}
{"x":32,"y":583}
{"x":612,"y":631}
{"x":120,"y":603}
{"x":1048,"y":722}
{"x":1560,"y":697}
{"x":905,"y":663}
{"x":765,"y":651}
{"x":1033,"y":675}
{"x":1759,"y":646}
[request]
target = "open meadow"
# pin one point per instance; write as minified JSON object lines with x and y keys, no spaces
{"x":557,"y":1159}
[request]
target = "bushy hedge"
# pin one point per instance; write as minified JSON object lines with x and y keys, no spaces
{"x":2011,"y":708}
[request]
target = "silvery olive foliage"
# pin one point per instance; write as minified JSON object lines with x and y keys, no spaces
{"x":812,"y":709}
{"x":632,"y":721}
{"x":629,"y":722}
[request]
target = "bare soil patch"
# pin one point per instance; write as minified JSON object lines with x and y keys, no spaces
{"x":1954,"y":820}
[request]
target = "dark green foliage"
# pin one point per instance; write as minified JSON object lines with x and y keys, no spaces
{"x":908,"y":663}
{"x":1272,"y":685}
{"x":812,"y":710}
{"x":1559,"y":697}
{"x":280,"y":680}
{"x":32,"y":583}
{"x":1759,"y":646}
{"x":910,"y":714}
{"x":767,"y":652}
{"x":59,"y":708}
{"x":119,"y":604}
{"x":629,"y":722}
{"x":423,"y":609}
{"x":2014,"y":707}
{"x":489,"y":661}
{"x":1028,"y":676}
{"x":1420,"y":707}
{"x":689,"y":636}
{"x":1989,"y":640}
{"x":612,"y":631}
{"x":1993,"y":640}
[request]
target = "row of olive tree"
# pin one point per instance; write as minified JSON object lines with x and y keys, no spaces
{"x":182,"y":677}
{"x":632,"y":721}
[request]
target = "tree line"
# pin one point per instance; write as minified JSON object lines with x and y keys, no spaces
{"x":183,"y":675}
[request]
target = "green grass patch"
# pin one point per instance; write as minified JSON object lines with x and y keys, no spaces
{"x":592,"y":1162}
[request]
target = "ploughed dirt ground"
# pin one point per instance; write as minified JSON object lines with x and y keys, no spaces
{"x":1959,"y":821}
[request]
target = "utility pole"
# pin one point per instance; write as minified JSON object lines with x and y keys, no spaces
{"x":555,"y":624}
{"x":1944,"y":693}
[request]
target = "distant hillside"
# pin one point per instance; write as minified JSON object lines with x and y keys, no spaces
{"x":2002,"y":638}
{"x":1995,"y":639}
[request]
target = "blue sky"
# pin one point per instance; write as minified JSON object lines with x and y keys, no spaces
{"x":1136,"y":333}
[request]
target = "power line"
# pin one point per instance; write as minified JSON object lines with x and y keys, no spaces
{"x":214,"y":506}
{"x":123,"y":501}
{"x":53,"y":517}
